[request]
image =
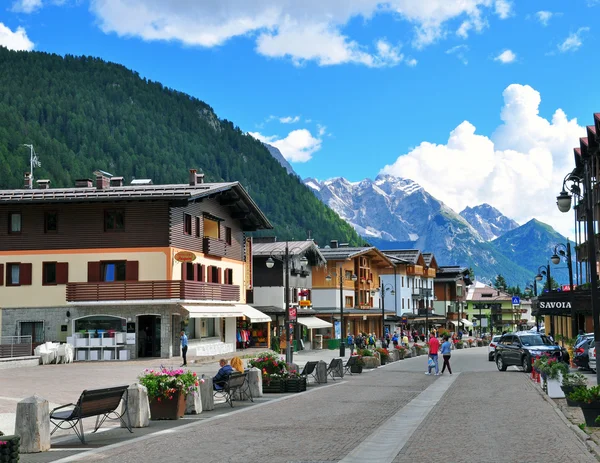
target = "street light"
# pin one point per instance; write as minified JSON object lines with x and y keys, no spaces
{"x":286,"y":261}
{"x":340,"y":276}
{"x":544,"y":271}
{"x":563,"y":251}
{"x":528,"y":288}
{"x":384,"y":288}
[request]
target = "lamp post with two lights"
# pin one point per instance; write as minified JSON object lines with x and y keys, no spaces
{"x":384,"y":288}
{"x":563,"y":251}
{"x":340,"y":277}
{"x":288,"y":325}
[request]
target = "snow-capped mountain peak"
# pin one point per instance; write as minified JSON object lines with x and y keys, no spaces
{"x":489,"y":222}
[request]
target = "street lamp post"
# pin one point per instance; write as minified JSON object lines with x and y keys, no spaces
{"x":544,"y":271}
{"x":287,"y":331}
{"x":564,"y":251}
{"x":342,"y":330}
{"x":528,"y":289}
{"x":383,"y":290}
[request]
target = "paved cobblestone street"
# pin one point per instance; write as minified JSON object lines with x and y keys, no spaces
{"x":482,"y":414}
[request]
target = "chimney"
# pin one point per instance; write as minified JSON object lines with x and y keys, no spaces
{"x":199,"y":178}
{"x":43,"y":184}
{"x":333,"y":244}
{"x":27,"y":180}
{"x":193,"y":178}
{"x":116,"y":181}
{"x":102,"y":182}
{"x":84,"y":183}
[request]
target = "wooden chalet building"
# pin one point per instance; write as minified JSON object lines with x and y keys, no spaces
{"x":102,"y":265}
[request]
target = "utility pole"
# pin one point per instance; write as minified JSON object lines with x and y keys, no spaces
{"x":33,"y":162}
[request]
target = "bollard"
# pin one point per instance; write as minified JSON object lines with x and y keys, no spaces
{"x":321,"y":372}
{"x":32,"y":424}
{"x":138,"y":406}
{"x":193,"y":403}
{"x":255,"y":380}
{"x":206,"y":393}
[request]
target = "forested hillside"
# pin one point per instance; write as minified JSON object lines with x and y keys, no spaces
{"x":84,"y":114}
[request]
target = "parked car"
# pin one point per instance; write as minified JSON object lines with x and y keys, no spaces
{"x":492,"y":347}
{"x":592,"y":358}
{"x":520,"y":347}
{"x":580,"y":351}
{"x":565,"y":353}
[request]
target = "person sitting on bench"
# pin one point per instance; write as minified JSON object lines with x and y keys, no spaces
{"x":222,"y":375}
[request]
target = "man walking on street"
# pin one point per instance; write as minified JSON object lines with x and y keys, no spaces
{"x":184,"y":347}
{"x":434,"y":345}
{"x":350,"y":342}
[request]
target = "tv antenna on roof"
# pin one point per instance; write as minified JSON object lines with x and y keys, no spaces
{"x":33,"y":162}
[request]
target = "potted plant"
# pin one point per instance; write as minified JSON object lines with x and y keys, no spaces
{"x":9,"y":448}
{"x":384,"y":354}
{"x":167,"y":390}
{"x":401,"y":351}
{"x":358,"y":366}
{"x":458,"y":344}
{"x":588,"y":398}
{"x":274,"y":371}
{"x":570,"y":382}
{"x":552,"y":371}
{"x":294,"y":382}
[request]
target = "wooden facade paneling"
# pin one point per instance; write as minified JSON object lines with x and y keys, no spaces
{"x":194,"y":241}
{"x":81,"y":226}
{"x":151,"y":290}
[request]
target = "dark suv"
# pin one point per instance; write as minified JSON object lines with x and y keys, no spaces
{"x":519,"y":348}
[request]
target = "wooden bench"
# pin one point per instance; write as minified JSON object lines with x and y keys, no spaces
{"x":100,"y":403}
{"x":234,"y":383}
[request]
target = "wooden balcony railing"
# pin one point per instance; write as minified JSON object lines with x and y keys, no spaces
{"x":151,"y":290}
{"x":214,"y":247}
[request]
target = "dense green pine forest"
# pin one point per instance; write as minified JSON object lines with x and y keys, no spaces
{"x":83,"y":114}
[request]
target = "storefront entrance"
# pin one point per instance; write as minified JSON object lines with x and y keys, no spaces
{"x":148,"y":336}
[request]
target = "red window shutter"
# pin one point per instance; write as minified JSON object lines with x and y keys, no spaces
{"x":132,"y":270}
{"x":1,"y":274}
{"x":62,"y":273}
{"x":93,"y":272}
{"x":201,"y":270}
{"x":226,"y":276}
{"x":25,"y":274}
{"x":219,"y":275}
{"x":195,"y":270}
{"x":183,"y":271}
{"x":209,"y":274}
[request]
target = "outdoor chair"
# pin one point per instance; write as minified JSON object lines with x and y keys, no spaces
{"x":231,"y":386}
{"x":310,"y":369}
{"x":352,"y":361}
{"x":336,"y":368}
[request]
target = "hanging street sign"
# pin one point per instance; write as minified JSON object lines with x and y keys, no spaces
{"x":292,"y":314}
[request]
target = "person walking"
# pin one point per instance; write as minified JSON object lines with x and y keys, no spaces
{"x":350,"y":342}
{"x":434,"y":345}
{"x":184,"y":347}
{"x":446,"y":353}
{"x":405,"y":340}
{"x":395,"y":339}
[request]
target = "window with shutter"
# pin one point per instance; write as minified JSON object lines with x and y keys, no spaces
{"x":199,"y":272}
{"x":25,"y":277}
{"x":48,"y":273}
{"x":13,"y":274}
{"x":132,"y":270}
{"x":209,"y":274}
{"x":62,"y":273}
{"x":218,"y":274}
{"x":93,"y":272}
{"x":190,"y":271}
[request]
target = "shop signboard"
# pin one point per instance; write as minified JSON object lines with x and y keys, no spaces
{"x":304,"y":303}
{"x":292,"y":314}
{"x":185,"y":256}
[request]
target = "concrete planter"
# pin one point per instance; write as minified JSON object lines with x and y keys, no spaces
{"x":371,"y":362}
{"x":394,"y":355}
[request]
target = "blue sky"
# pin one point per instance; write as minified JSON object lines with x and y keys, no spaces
{"x":476,"y":100}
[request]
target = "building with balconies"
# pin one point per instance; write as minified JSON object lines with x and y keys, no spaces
{"x":127,"y":267}
{"x":493,"y":310}
{"x":450,"y":296}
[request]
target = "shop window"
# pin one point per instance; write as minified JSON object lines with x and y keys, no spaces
{"x":228,"y":235}
{"x":114,"y":220}
{"x":187,"y":224}
{"x":208,"y":328}
{"x":211,"y":228}
{"x":349,"y":302}
{"x":50,"y":222}
{"x":14,"y":222}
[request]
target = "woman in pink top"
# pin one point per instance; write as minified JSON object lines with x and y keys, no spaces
{"x":434,"y":346}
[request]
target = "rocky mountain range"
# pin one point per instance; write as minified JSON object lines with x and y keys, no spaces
{"x":397,"y":213}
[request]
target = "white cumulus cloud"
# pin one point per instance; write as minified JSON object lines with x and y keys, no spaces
{"x":289,"y":119}
{"x":298,"y":146}
{"x":15,"y":40}
{"x":26,"y":6}
{"x":544,"y":17}
{"x":506,"y":57}
{"x":573,"y":41}
{"x":308,"y":30}
{"x":526,"y":158}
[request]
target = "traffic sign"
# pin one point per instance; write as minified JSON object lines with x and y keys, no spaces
{"x":516,"y":300}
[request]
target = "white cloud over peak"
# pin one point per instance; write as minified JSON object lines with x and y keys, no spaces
{"x":573,"y":41}
{"x":310,"y":30}
{"x":506,"y":57}
{"x":526,"y":157}
{"x":298,"y":146}
{"x":16,"y":40}
{"x":544,"y":17}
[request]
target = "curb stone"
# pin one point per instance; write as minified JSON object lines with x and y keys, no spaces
{"x":581,"y":435}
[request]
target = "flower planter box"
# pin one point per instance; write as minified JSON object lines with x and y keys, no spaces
{"x":553,"y":388}
{"x":356,"y":369}
{"x":168,"y":409}
{"x":295,"y":384}
{"x":371,"y":362}
{"x":9,"y":449}
{"x":566,"y":391}
{"x":590,"y":413}
{"x":273,"y":385}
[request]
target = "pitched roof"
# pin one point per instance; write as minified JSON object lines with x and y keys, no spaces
{"x":410,"y":256}
{"x":485,"y":293}
{"x":295,"y":248}
{"x":241,"y":200}
{"x":346,"y":252}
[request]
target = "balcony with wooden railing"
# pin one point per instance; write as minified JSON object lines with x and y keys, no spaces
{"x":214,"y":247}
{"x":414,"y":270}
{"x":151,"y":290}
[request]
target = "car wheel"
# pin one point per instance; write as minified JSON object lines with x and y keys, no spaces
{"x":526,"y":364}
{"x":500,"y":363}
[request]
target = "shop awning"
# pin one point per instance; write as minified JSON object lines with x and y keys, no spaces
{"x":314,"y":322}
{"x":466,"y":322}
{"x":213,"y":311}
{"x":255,"y":316}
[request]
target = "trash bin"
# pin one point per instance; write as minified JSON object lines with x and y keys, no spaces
{"x":318,"y":342}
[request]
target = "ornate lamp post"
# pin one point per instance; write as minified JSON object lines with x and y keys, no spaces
{"x":563,"y":251}
{"x":286,"y":262}
{"x":340,"y":277}
{"x":384,"y":288}
{"x":528,"y":288}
